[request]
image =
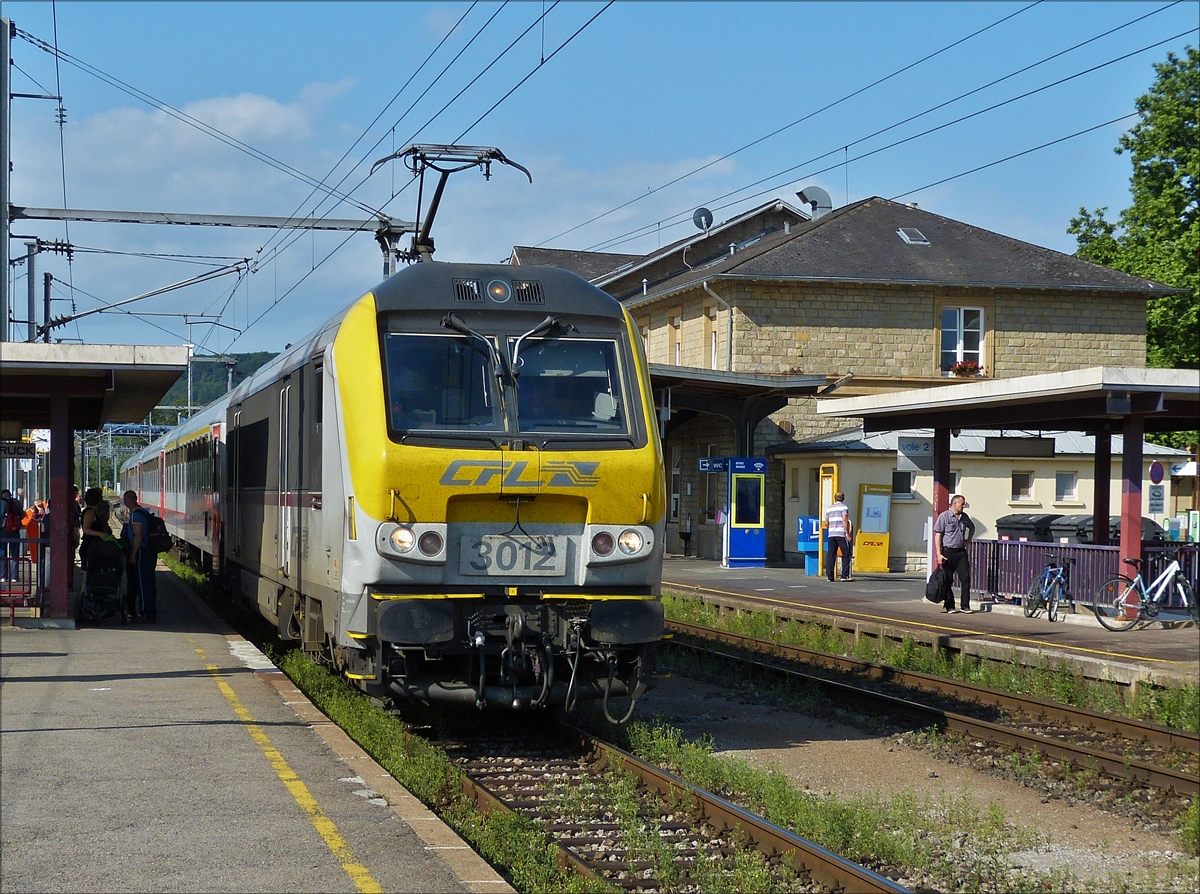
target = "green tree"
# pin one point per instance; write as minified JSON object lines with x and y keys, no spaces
{"x":1158,"y":236}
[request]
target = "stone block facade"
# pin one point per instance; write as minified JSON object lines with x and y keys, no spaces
{"x":886,"y":333}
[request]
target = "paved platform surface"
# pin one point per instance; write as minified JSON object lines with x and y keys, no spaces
{"x":899,"y":599}
{"x":174,"y":757}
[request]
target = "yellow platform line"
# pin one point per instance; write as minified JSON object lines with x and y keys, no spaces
{"x":1007,"y":637}
{"x":325,"y":827}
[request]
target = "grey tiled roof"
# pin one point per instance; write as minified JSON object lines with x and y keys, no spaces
{"x":860,"y":243}
{"x":588,"y":264}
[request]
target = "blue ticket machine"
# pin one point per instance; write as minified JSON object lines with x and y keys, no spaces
{"x":746,"y":527}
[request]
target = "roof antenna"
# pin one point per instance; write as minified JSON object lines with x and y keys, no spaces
{"x":703,"y":219}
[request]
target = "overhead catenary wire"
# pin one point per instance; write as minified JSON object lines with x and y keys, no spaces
{"x":679,"y":217}
{"x":178,"y":115}
{"x":389,"y":104}
{"x":998,"y":161}
{"x":290,"y":239}
{"x":792,"y":124}
{"x":338,"y":247}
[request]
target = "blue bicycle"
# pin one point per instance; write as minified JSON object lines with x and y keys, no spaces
{"x":1050,"y":589}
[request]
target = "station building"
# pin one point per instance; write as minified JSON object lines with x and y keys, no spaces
{"x":876,"y":296}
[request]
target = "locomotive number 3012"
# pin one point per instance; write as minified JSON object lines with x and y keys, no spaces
{"x":515,"y":555}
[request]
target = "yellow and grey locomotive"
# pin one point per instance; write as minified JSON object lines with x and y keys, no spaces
{"x":453,"y":491}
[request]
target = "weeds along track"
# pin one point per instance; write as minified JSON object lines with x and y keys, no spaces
{"x":635,"y":826}
{"x":1131,"y":752}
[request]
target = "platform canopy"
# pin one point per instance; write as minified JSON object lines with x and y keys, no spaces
{"x":1100,"y":399}
{"x":744,"y":398}
{"x":68,"y":388}
{"x":1091,"y":399}
{"x":102,"y":383}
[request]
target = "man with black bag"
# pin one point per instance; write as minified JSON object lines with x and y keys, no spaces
{"x":952,"y":532}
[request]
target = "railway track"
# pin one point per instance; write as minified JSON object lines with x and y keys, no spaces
{"x":635,"y":826}
{"x":1124,"y":749}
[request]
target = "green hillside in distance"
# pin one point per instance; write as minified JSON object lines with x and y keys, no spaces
{"x":209,"y":378}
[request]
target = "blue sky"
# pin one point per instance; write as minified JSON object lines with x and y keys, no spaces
{"x":644,"y":94}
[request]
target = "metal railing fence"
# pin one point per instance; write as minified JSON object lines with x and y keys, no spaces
{"x":25,"y":578}
{"x":1005,"y":568}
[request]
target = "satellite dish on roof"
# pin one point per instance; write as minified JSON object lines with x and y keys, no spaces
{"x":702,"y":218}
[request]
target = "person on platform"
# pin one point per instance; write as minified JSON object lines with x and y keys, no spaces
{"x":839,"y":531}
{"x":142,"y":559}
{"x":76,"y":510}
{"x":33,"y":530}
{"x":12,"y":516}
{"x":94,"y":525}
{"x":952,"y":532}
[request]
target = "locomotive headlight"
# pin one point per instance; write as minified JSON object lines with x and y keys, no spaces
{"x":602,"y":544}
{"x":630,"y":541}
{"x":430,"y":543}
{"x":402,"y":539}
{"x":499,"y":291}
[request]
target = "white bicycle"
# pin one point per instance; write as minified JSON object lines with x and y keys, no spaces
{"x":1121,"y":603}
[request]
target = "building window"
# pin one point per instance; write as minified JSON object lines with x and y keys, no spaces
{"x":955,"y":479}
{"x":1022,"y":487}
{"x":676,"y":345}
{"x":676,"y":478}
{"x":962,"y":336}
{"x":645,"y":330}
{"x":1064,"y":487}
{"x":710,"y":327}
{"x":794,"y":483}
{"x":902,"y":485}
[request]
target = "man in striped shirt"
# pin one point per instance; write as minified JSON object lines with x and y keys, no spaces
{"x":838,"y":533}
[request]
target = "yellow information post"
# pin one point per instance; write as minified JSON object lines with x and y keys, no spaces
{"x":874,"y":517}
{"x":829,"y":487}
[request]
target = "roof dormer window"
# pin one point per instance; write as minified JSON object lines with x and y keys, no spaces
{"x":912,"y":236}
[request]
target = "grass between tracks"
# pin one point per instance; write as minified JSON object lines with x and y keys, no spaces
{"x":946,"y":843}
{"x":1178,"y":708}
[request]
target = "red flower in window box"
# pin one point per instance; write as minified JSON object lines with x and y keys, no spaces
{"x":967,"y":369}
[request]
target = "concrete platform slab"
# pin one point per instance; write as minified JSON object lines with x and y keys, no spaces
{"x":152,"y":757}
{"x":1155,"y":654}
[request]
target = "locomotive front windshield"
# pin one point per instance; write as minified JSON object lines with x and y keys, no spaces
{"x":439,"y":382}
{"x":569,"y":384}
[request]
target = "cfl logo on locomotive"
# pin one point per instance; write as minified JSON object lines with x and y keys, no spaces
{"x":561,"y":473}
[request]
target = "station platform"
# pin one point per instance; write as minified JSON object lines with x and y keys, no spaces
{"x":895,"y":604}
{"x":176,"y":757}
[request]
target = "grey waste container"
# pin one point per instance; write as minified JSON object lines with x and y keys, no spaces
{"x":1034,"y":528}
{"x":1152,"y":531}
{"x":1069,"y":529}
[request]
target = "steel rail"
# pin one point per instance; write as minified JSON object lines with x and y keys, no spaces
{"x":488,"y":802}
{"x":807,"y":858}
{"x":1080,"y":755}
{"x":1128,"y":727}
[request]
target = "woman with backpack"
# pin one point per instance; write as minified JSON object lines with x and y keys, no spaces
{"x":94,"y":525}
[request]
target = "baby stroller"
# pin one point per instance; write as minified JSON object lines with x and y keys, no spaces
{"x":101,"y":596}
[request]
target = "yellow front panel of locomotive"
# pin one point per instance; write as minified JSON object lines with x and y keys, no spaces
{"x":434,"y":484}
